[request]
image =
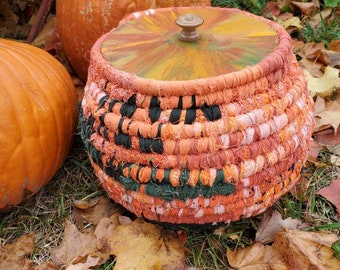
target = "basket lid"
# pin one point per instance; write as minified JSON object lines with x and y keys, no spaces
{"x":151,"y":45}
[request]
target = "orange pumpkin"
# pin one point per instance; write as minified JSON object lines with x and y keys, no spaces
{"x":81,"y":22}
{"x":38,"y":116}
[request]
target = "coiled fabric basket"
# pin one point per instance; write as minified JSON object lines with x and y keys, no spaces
{"x":196,"y":151}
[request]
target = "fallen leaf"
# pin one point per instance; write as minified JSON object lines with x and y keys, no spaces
{"x":256,"y":257}
{"x":83,"y":204}
{"x":285,"y":16}
{"x":291,"y":23}
{"x":327,"y":137}
{"x":76,"y":247}
{"x":10,"y":19}
{"x":273,"y":223}
{"x":313,"y":56}
{"x":104,"y":229}
{"x":88,"y":264}
{"x":273,"y":8}
{"x":143,"y":246}
{"x":319,"y":105}
{"x":48,"y":265}
{"x":47,"y":30}
{"x":15,"y":256}
{"x":316,"y":52}
{"x":329,"y":116}
{"x":314,"y":150}
{"x":93,"y":211}
{"x":332,"y":193}
{"x":334,"y":58}
{"x":316,"y":19}
{"x":335,"y":45}
{"x":307,"y":8}
{"x":124,"y":220}
{"x":307,"y":250}
{"x":325,"y":85}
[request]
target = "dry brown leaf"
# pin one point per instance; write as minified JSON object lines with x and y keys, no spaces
{"x":316,"y":52}
{"x":327,"y":136}
{"x":95,"y":210}
{"x":104,"y":229}
{"x":325,"y":85}
{"x":319,"y":105}
{"x":307,"y":250}
{"x":273,"y":8}
{"x":335,"y":45}
{"x":332,"y":194}
{"x":316,"y":19}
{"x":257,"y":257}
{"x":314,"y":150}
{"x":124,"y":220}
{"x":144,"y":246}
{"x":273,"y":223}
{"x":307,"y":8}
{"x":91,"y":261}
{"x":76,"y":247}
{"x":313,"y":56}
{"x":48,"y":265}
{"x":329,"y":116}
{"x":334,"y":58}
{"x":15,"y":256}
{"x":10,"y":19}
{"x":48,"y":29}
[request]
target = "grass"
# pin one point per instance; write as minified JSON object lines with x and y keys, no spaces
{"x":325,"y":32}
{"x":208,"y":250}
{"x":46,"y":212}
{"x":253,"y":6}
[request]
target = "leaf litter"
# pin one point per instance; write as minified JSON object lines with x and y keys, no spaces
{"x":292,"y":249}
{"x":135,"y":244}
{"x":101,"y":232}
{"x":273,"y":223}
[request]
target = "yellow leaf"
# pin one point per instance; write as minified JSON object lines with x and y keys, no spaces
{"x":256,"y":257}
{"x":144,"y":246}
{"x":325,"y":85}
{"x":292,"y":22}
{"x":307,"y":250}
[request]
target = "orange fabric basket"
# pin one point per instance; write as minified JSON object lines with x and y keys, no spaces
{"x":201,"y":131}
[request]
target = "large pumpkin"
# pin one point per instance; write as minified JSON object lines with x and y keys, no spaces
{"x":38,"y":116}
{"x":81,"y":22}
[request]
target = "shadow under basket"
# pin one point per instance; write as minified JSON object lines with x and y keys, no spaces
{"x":210,"y":139}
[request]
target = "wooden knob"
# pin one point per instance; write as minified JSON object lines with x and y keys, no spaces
{"x":189,"y":22}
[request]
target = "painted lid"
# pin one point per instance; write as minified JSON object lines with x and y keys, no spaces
{"x":151,"y":45}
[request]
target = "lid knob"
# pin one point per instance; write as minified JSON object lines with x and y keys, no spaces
{"x":189,"y":22}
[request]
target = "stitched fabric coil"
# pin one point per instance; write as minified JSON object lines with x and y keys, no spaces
{"x":196,"y":142}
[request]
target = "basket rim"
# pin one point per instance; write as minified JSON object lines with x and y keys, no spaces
{"x":272,"y":62}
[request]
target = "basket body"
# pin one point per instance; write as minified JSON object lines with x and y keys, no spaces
{"x":208,"y":150}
